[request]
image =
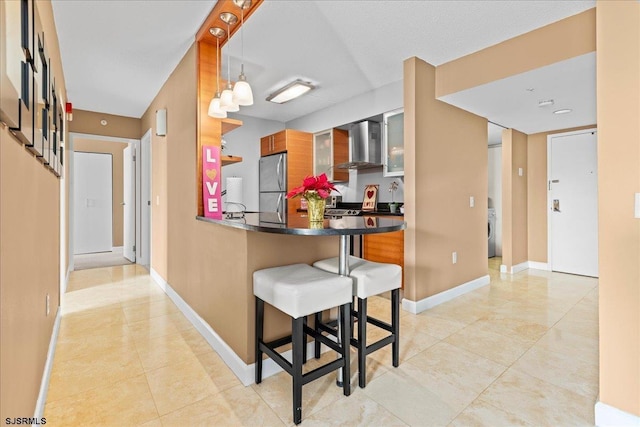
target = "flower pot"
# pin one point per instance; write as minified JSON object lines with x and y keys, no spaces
{"x":393,"y":207}
{"x":315,"y":209}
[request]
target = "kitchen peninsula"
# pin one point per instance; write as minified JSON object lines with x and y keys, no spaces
{"x":262,"y":240}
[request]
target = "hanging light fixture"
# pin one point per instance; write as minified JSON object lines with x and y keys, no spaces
{"x":226,"y":98}
{"x":242,"y":94}
{"x":214,"y":105}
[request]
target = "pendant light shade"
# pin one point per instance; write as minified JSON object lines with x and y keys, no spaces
{"x":214,"y":108}
{"x":242,"y":93}
{"x":226,"y":100}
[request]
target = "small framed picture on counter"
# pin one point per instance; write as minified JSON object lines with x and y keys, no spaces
{"x":370,"y":197}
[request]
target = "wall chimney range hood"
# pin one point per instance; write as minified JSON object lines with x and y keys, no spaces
{"x":365,"y":146}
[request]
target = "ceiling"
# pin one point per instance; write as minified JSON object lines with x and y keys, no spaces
{"x":117,"y":54}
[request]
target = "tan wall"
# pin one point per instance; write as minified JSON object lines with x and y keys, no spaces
{"x":618,"y":91}
{"x":444,"y":144}
{"x":115,"y":149}
{"x":514,"y":198}
{"x":567,"y":38}
{"x":118,"y":126}
{"x":537,"y":213}
{"x":29,"y":256}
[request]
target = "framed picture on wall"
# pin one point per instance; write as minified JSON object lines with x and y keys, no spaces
{"x":370,"y":198}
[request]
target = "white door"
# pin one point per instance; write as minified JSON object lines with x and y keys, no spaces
{"x":129,"y":192}
{"x":93,"y":190}
{"x":573,"y":203}
{"x":144,"y":252}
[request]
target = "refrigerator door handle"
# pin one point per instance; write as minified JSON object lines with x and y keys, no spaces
{"x":278,"y":173}
{"x":278,"y":204}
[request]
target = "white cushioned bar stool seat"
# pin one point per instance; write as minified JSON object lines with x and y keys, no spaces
{"x":369,"y":278}
{"x":300,"y":290}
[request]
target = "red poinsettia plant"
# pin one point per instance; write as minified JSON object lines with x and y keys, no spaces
{"x":313,"y":187}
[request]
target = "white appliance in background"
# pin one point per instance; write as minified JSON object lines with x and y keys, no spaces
{"x":273,"y":183}
{"x":492,"y":232}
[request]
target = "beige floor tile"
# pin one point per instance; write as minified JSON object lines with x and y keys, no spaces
{"x":398,"y":391}
{"x":411,"y":343}
{"x":126,"y":403}
{"x":576,"y":324}
{"x":104,"y":320}
{"x":573,"y":345}
{"x":153,"y":423}
{"x":222,"y":377}
{"x":481,"y":414}
{"x":542,"y":314}
{"x":517,"y":328}
{"x":149,"y":310}
{"x":84,"y":279}
{"x":356,"y":410}
{"x":178,"y":385}
{"x":426,"y":324}
{"x":179,"y":321}
{"x":70,"y":346}
{"x":316,"y":395}
{"x":238,"y":406}
{"x":155,"y":327}
{"x":457,"y":375}
{"x":538,"y":402}
{"x":560,"y":369}
{"x":96,"y":368}
{"x":163,"y":351}
{"x":196,"y":341}
{"x":493,"y":346}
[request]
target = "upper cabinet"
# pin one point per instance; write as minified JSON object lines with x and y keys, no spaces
{"x":330,"y":148}
{"x":393,"y":143}
{"x":276,"y":143}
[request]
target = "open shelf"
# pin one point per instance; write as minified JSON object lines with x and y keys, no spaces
{"x":229,"y":124}
{"x":229,"y":160}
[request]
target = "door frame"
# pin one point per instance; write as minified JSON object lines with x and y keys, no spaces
{"x":70,"y":151}
{"x":143,"y":179}
{"x":549,"y":199}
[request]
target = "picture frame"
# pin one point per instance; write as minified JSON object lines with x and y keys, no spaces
{"x":370,"y":199}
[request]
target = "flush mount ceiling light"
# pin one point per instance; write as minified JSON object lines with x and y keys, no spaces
{"x":226,"y":98}
{"x":242,"y":93}
{"x":214,"y":105}
{"x":545,"y":103}
{"x":563,"y":111}
{"x":290,"y":91}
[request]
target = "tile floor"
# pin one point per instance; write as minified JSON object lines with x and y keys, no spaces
{"x":522,"y":351}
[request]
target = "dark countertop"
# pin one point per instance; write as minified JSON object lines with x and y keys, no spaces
{"x":298,"y":223}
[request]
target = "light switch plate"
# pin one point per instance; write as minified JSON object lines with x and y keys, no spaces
{"x":637,"y":206}
{"x":472,"y":201}
{"x":520,"y":172}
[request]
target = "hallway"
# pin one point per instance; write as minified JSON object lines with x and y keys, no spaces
{"x":521,"y":351}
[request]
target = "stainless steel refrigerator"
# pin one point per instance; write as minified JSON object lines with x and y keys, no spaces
{"x":273,"y":183}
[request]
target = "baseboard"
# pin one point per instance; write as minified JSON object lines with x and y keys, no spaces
{"x":514,"y":269}
{"x":607,"y":415}
{"x":539,"y":265}
{"x":244,"y":372}
{"x":416,"y":307}
{"x":46,"y":375}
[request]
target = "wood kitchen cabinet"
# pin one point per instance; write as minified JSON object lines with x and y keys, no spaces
{"x":272,"y":144}
{"x":330,"y":148}
{"x":298,"y":146}
{"x":385,"y":247}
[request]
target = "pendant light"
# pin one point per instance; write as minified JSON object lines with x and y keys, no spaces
{"x":226,"y":98}
{"x":214,"y":105}
{"x":242,"y":94}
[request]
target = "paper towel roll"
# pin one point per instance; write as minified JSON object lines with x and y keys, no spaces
{"x":234,"y":190}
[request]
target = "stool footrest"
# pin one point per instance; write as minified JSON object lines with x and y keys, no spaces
{"x":322,"y":370}
{"x":279,"y":342}
{"x":379,"y":323}
{"x":324,"y":340}
{"x":284,"y":363}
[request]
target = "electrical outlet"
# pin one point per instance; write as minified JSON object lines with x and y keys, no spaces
{"x":472,"y":201}
{"x":454,"y":257}
{"x":157,"y":200}
{"x":47,"y":304}
{"x":520,"y":171}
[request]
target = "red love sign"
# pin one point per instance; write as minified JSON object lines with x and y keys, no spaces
{"x":370,"y":194}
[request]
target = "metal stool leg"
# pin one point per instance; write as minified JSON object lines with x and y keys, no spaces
{"x":362,"y":342}
{"x":297,"y":331}
{"x":395,"y":326}
{"x":259,"y":334}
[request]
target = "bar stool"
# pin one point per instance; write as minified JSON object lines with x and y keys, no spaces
{"x":370,"y":278}
{"x":300,"y":290}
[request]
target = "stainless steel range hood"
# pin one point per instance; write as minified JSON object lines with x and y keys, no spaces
{"x":365,"y":149}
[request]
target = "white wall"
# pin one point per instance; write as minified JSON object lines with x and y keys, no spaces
{"x":245,"y":142}
{"x":386,"y":98}
{"x":495,"y":191}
